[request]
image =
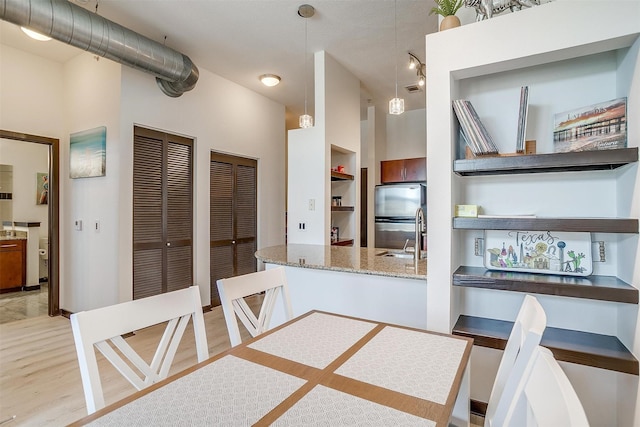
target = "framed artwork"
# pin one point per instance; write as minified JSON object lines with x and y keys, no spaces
{"x":88,"y":153}
{"x":550,"y":252}
{"x":600,"y":126}
{"x":42,"y":188}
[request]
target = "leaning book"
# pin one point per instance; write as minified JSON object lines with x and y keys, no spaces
{"x":601,"y":126}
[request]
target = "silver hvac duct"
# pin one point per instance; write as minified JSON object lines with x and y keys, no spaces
{"x":74,"y":25}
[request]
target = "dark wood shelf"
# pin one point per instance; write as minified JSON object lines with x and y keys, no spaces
{"x":553,"y":162}
{"x":593,"y":225}
{"x":339,"y":176}
{"x":604,"y":288}
{"x":342,"y":208}
{"x":583,"y":348}
{"x":342,"y":242}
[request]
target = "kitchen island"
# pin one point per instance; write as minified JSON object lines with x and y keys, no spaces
{"x":376,"y":284}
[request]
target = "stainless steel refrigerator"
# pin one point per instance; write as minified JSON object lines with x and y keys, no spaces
{"x":395,"y":212}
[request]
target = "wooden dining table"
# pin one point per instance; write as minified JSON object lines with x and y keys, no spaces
{"x":317,"y":369}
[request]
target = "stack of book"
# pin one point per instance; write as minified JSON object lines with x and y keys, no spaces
{"x":473,"y":131}
{"x":522,"y":118}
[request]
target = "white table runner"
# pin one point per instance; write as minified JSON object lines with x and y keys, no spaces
{"x":409,"y":362}
{"x":324,"y":406}
{"x":228,"y":392}
{"x":316,"y":340}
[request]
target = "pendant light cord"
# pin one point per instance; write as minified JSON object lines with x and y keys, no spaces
{"x":305,"y":65}
{"x":395,"y":34}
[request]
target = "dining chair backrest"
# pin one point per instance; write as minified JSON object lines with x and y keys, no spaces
{"x":525,"y":336}
{"x":545,"y":396}
{"x":272,"y":282}
{"x":104,"y":327}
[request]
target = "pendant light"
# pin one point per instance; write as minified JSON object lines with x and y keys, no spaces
{"x":306,"y":11}
{"x":396,"y":105}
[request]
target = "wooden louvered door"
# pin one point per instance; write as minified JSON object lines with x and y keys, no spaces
{"x":162,"y":212}
{"x":233,"y":218}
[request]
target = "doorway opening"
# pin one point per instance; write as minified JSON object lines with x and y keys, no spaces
{"x":53,"y":203}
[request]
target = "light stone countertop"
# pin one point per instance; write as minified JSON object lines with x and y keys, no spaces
{"x":13,"y":238}
{"x":344,"y":258}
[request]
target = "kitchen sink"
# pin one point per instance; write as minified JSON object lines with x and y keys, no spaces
{"x":395,"y":254}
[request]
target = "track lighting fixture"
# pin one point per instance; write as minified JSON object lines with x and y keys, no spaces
{"x":416,"y":64}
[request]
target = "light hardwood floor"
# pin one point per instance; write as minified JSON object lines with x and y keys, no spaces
{"x":39,"y":375}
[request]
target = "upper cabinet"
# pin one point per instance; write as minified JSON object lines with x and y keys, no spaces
{"x":403,"y":170}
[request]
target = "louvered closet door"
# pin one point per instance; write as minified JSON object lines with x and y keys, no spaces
{"x":233,"y":218}
{"x":162,"y":212}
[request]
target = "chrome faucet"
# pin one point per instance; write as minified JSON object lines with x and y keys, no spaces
{"x":420,"y":229}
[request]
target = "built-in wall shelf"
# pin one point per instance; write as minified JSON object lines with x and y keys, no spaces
{"x":583,"y":348}
{"x":339,"y":176}
{"x":342,"y":242}
{"x":553,"y":162}
{"x":593,"y":225}
{"x":604,"y":288}
{"x":342,"y":208}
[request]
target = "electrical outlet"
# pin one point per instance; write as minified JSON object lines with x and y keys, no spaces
{"x":312,"y":204}
{"x":96,"y":225}
{"x":302,"y":226}
{"x":78,"y":224}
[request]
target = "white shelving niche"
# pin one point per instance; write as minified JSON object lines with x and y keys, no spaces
{"x":343,"y":185}
{"x":570,"y":55}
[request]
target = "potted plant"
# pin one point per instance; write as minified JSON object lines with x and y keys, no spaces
{"x":447,"y":9}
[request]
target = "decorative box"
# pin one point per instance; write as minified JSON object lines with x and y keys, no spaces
{"x":467,"y":211}
{"x":549,"y":252}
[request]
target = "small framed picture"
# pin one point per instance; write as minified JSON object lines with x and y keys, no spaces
{"x":600,"y":126}
{"x":42,"y":188}
{"x":87,"y":153}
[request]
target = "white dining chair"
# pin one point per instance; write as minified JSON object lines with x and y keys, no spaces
{"x":545,"y":396}
{"x":104,"y":327}
{"x":272,"y":282}
{"x":525,"y":336}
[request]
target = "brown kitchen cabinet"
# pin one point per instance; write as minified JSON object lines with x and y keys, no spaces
{"x":13,"y":265}
{"x":403,"y":170}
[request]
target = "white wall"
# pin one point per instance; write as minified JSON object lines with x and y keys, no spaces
{"x":406,"y":135}
{"x":213,"y":113}
{"x":337,"y":122}
{"x":96,"y":268}
{"x":92,"y":99}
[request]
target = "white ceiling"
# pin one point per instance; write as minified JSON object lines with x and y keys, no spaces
{"x":240,"y":40}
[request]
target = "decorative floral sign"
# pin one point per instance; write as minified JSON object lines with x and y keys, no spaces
{"x":547,"y":252}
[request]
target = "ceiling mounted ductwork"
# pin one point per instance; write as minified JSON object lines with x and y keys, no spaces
{"x":76,"y":26}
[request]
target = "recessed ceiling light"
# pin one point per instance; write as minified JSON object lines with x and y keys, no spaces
{"x":269,"y":79}
{"x":34,"y":35}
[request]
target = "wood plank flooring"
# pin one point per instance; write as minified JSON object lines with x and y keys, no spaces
{"x":39,"y":375}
